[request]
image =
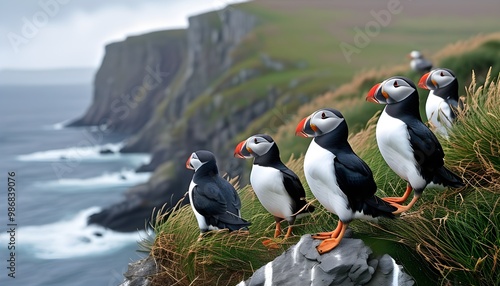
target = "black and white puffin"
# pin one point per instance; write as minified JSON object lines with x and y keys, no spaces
{"x":338,"y":178}
{"x":418,"y":63}
{"x":214,"y":200}
{"x":443,"y":102}
{"x":408,"y":146}
{"x":278,"y":188}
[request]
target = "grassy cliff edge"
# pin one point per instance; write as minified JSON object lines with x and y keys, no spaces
{"x":456,"y":232}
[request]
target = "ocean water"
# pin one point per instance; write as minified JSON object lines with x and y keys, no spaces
{"x":60,"y":179}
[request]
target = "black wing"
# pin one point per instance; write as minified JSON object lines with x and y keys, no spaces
{"x":294,"y":188}
{"x":354,"y":177}
{"x":209,"y":200}
{"x":426,"y":148}
{"x":231,"y":195}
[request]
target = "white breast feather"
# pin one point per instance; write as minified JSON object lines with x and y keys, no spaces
{"x":320,"y":176}
{"x":268,"y":185}
{"x":438,"y":113}
{"x":394,"y":145}
{"x":201,"y":220}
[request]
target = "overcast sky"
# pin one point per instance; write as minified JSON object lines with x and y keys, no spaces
{"x":42,"y":34}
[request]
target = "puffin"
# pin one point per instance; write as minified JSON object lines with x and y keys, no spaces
{"x":407,"y":145}
{"x":278,"y":188}
{"x":418,"y":63}
{"x":213,"y":199}
{"x":443,"y":103}
{"x":340,"y":180}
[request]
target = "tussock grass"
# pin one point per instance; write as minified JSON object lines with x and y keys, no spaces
{"x":220,"y":257}
{"x":474,"y":145}
{"x":455,"y":231}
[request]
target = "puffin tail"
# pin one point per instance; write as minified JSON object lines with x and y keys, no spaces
{"x":229,"y":221}
{"x":376,"y":207}
{"x":447,"y":178}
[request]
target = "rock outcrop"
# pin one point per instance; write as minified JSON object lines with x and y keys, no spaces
{"x":139,"y":272}
{"x":351,"y":263}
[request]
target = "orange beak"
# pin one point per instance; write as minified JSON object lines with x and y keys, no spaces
{"x":243,"y":151}
{"x":422,"y":83}
{"x":371,"y":94}
{"x":299,"y":131}
{"x":188,"y":164}
{"x":237,"y":150}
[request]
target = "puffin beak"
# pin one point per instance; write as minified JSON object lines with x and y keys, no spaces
{"x":371,"y":94}
{"x":408,"y":56}
{"x":422,"y":83}
{"x":305,"y":128}
{"x":188,"y":164}
{"x":242,"y":151}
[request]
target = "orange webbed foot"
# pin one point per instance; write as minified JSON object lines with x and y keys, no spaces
{"x":330,"y":239}
{"x":270,"y":244}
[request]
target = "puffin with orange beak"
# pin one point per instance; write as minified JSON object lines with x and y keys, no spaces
{"x":278,"y":188}
{"x":443,"y":103}
{"x":338,"y":178}
{"x":214,"y":200}
{"x":407,"y":145}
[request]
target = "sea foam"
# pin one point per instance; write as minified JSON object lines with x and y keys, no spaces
{"x":71,"y":237}
{"x":85,"y":153}
{"x":124,"y":178}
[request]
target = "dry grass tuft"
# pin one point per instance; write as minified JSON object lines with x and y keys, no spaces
{"x":465,"y":46}
{"x":456,"y":231}
{"x":474,"y":144}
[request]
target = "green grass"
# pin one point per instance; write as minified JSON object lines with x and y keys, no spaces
{"x":455,"y":231}
{"x":453,"y":246}
{"x":310,"y":53}
{"x":222,"y":258}
{"x":479,"y":60}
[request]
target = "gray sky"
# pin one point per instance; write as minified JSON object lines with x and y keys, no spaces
{"x":41,"y":34}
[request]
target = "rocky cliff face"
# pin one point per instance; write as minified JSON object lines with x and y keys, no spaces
{"x":132,"y":80}
{"x":175,"y":128}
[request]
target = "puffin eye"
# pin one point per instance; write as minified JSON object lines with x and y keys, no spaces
{"x":323,"y":115}
{"x":442,"y":74}
{"x":396,"y":84}
{"x":255,"y":141}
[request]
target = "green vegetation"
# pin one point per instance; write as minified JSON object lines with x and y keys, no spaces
{"x":479,"y":60}
{"x":455,"y":231}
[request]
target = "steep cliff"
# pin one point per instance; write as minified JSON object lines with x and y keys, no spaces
{"x":132,"y":79}
{"x":171,"y":135}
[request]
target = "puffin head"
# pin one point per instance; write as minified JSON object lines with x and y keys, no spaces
{"x":200,"y":158}
{"x":391,"y":90}
{"x":255,"y":146}
{"x":320,"y":122}
{"x":415,"y":55}
{"x":436,"y":78}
